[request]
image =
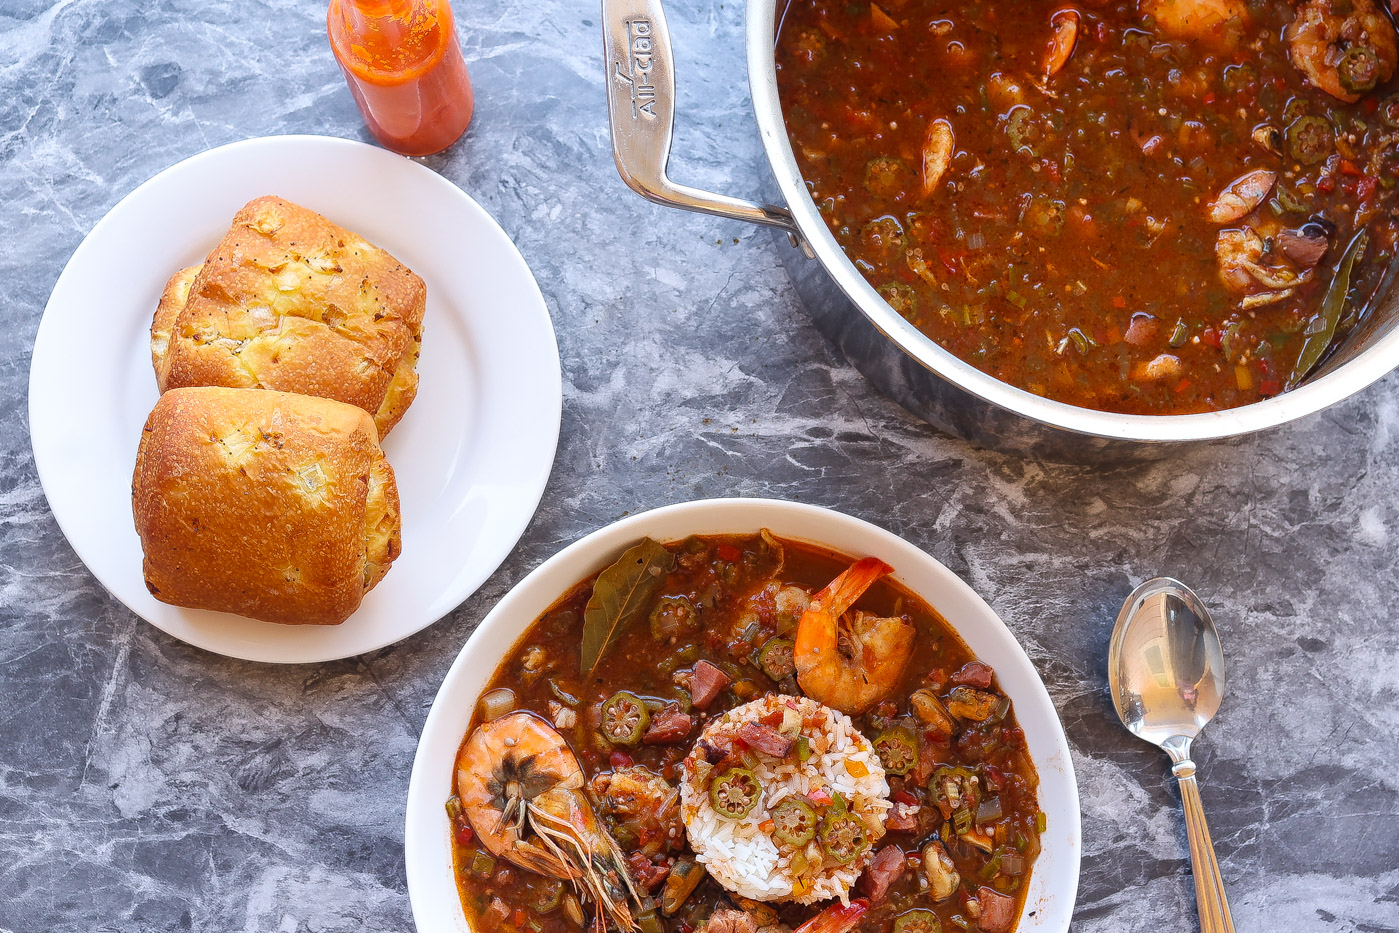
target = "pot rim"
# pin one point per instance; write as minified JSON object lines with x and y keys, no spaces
{"x":1343,"y":381}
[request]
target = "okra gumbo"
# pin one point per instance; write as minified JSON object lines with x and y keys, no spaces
{"x":1143,"y":206}
{"x":743,"y":733}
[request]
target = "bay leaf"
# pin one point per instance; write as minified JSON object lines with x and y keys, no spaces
{"x":1322,"y":330}
{"x":621,"y":595}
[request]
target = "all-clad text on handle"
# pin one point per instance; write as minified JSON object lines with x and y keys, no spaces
{"x":641,"y":110}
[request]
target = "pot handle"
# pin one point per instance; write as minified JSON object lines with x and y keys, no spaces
{"x":641,"y":110}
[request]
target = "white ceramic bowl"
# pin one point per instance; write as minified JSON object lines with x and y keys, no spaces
{"x":427,"y":841}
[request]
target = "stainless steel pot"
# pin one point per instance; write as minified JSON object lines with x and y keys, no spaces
{"x":902,"y":362}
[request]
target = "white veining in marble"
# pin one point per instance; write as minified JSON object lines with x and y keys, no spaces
{"x":145,"y":785}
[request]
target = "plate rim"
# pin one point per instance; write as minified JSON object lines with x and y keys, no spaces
{"x":496,"y":624}
{"x":46,"y":469}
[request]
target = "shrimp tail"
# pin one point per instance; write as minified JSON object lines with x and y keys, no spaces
{"x":818,"y":633}
{"x":843,"y":592}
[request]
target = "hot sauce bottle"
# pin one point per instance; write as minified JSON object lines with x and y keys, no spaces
{"x":405,"y":69}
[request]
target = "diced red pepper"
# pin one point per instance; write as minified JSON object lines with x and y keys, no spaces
{"x":620,"y":759}
{"x":728,"y":552}
{"x":859,"y":119}
{"x":904,"y":797}
{"x":464,"y":835}
{"x":950,"y":261}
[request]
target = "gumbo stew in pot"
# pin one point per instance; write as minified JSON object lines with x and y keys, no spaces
{"x":1138,"y":206}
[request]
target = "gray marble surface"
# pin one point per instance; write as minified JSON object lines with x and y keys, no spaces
{"x":146,"y":785}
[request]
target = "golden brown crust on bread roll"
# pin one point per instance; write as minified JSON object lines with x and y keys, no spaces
{"x":172,"y":301}
{"x":290,"y":301}
{"x":271,"y":505}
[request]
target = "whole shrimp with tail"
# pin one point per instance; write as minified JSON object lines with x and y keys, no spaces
{"x":522,"y":788}
{"x":851,"y":661}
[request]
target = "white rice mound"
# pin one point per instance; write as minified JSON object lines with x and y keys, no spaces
{"x":739,"y":854}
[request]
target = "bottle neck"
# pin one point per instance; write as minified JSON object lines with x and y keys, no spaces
{"x":362,"y":16}
{"x":383,"y":39}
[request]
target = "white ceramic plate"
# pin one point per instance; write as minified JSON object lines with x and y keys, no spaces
{"x":427,"y":840}
{"x":472,"y":455}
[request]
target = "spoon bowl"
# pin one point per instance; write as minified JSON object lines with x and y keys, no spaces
{"x":1165,"y":664}
{"x":1166,"y":673}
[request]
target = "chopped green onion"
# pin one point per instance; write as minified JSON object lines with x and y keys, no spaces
{"x":684,"y":877}
{"x":1288,"y":201}
{"x":648,"y":922}
{"x":1001,"y":710}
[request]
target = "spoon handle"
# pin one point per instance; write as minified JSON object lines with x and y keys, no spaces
{"x":1209,"y":887}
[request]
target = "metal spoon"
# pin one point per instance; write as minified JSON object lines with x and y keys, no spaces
{"x":1166,"y":671}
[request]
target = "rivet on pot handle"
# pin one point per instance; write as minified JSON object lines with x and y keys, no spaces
{"x":641,"y":107}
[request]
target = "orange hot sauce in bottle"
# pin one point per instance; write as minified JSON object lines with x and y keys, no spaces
{"x":405,"y":69}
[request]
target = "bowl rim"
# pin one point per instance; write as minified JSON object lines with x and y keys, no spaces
{"x":1332,"y":385}
{"x":427,"y":846}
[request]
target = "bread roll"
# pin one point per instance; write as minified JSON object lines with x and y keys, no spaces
{"x":290,"y":301}
{"x":271,"y":505}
